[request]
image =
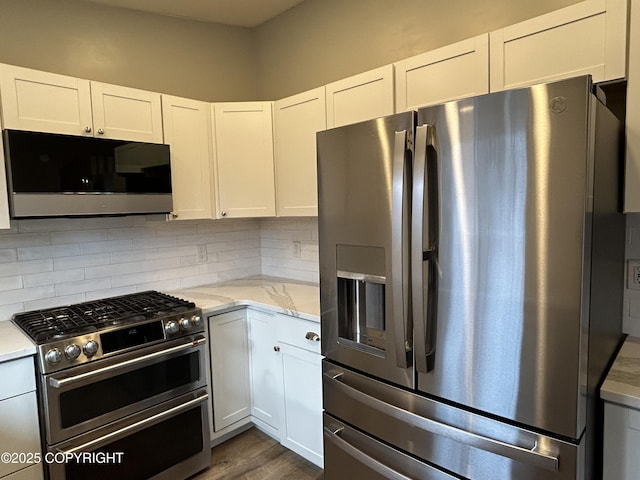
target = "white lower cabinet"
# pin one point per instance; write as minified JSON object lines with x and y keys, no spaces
{"x":266,"y":368}
{"x":266,"y":378}
{"x":621,"y":442}
{"x":228,"y":344}
{"x":19,"y":428}
{"x":302,"y":402}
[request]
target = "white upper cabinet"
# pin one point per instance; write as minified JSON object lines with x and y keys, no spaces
{"x":586,"y":38}
{"x":361,"y":97}
{"x":244,"y":159}
{"x":187,"y":130}
{"x":297,"y":120}
{"x":45,"y":102}
{"x":126,"y":113}
{"x":448,"y":73}
{"x":52,"y":103}
{"x":632,"y":165}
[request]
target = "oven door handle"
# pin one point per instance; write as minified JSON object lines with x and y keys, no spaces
{"x":55,"y":383}
{"x":113,"y":436}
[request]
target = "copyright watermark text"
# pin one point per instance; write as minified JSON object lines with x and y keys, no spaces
{"x":62,"y":457}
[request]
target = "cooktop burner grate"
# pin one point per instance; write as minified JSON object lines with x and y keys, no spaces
{"x":52,"y":323}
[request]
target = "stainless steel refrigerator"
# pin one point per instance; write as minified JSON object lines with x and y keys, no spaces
{"x":471,"y":276}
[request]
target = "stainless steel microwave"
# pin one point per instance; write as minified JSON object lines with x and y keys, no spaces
{"x":63,"y":175}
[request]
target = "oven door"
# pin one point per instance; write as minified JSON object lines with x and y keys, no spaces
{"x":168,"y":441}
{"x":80,"y":399}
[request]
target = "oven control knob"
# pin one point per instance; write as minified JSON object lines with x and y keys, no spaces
{"x":72,"y":351}
{"x":171,"y":327}
{"x":185,"y":323}
{"x":196,"y":321}
{"x":53,"y":356}
{"x":90,"y":348}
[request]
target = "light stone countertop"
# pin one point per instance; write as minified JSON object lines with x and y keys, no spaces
{"x":293,"y":298}
{"x":622,"y":384}
{"x":281,"y":295}
{"x":13,"y":343}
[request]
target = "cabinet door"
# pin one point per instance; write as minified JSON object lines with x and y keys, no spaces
{"x":4,"y":197}
{"x":266,"y":378}
{"x":297,"y":119}
{"x":126,"y":113}
{"x":302,"y":404}
{"x":45,"y":102}
{"x":33,"y":472}
{"x":20,"y":428}
{"x":586,"y":38}
{"x":361,"y":97}
{"x":244,"y":159}
{"x":187,"y":130}
{"x":448,"y":73}
{"x":632,"y":125}
{"x":621,"y":443}
{"x":228,"y":343}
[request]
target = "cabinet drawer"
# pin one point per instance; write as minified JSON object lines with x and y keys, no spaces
{"x":294,"y":331}
{"x":34,"y":472}
{"x":17,"y":377}
{"x":19,"y":427}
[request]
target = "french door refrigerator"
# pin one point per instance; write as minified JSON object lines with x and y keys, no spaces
{"x":471,"y":276}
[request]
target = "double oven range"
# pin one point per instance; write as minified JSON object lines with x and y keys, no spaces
{"x":122,"y":381}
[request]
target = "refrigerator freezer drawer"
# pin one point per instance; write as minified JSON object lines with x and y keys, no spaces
{"x":458,"y":441}
{"x":352,"y":454}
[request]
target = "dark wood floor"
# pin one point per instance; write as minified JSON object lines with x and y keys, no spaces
{"x":252,"y":455}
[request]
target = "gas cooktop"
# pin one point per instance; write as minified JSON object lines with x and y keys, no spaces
{"x":58,"y":323}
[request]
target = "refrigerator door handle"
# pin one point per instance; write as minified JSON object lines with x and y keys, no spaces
{"x":333,"y":436}
{"x":532,"y":455}
{"x":424,"y":237}
{"x":402,"y":328}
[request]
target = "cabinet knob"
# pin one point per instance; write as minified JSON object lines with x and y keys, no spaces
{"x":276,"y":348}
{"x":101,"y":131}
{"x":223,"y":213}
{"x":87,"y":129}
{"x":314,"y":337}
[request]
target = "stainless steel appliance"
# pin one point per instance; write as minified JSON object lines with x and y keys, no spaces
{"x":471,"y":270}
{"x":85,"y":175}
{"x":123,"y":375}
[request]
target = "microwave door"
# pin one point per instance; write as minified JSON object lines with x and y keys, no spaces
{"x":364,"y":204}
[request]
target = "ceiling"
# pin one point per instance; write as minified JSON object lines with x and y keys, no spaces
{"x":243,"y":13}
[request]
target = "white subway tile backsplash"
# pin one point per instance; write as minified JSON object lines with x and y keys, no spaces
{"x":8,"y":255}
{"x":51,"y":262}
{"x":51,"y":278}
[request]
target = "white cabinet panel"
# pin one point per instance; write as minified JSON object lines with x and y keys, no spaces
{"x":187,"y":130}
{"x":33,"y":472}
{"x":448,"y":73}
{"x":266,"y":378}
{"x":126,"y":113}
{"x":4,"y":196}
{"x":244,"y":159}
{"x":45,"y":102}
{"x":302,"y":402}
{"x":19,"y":427}
{"x":228,"y":343}
{"x":361,"y":97}
{"x":585,"y":38}
{"x":621,"y":442}
{"x":632,"y":154}
{"x":17,"y":377}
{"x":296,"y":121}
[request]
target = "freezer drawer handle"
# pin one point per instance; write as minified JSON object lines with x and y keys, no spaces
{"x":521,"y":454}
{"x":375,"y":465}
